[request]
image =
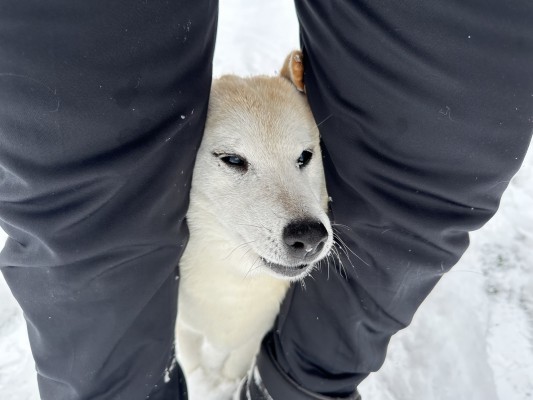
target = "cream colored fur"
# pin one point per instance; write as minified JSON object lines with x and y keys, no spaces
{"x":229,"y":296}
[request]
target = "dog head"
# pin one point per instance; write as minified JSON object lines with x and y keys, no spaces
{"x":259,"y":173}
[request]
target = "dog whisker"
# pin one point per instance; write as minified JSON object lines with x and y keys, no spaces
{"x":313,"y":268}
{"x":339,"y":246}
{"x":344,"y":249}
{"x":335,"y":235}
{"x":324,"y":120}
{"x":341,"y":264}
{"x":277,"y":215}
{"x":253,"y":267}
{"x":335,"y":252}
{"x":331,"y":258}
{"x":245,"y":253}
{"x":256,"y":226}
{"x":327,"y":264}
{"x":342,"y":226}
{"x":241,"y":245}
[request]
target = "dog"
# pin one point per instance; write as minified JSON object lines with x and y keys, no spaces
{"x":257,"y":219}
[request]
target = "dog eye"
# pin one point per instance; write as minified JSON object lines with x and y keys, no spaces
{"x":234,"y":161}
{"x":304,"y":158}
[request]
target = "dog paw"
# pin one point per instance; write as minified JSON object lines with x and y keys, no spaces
{"x":293,"y":69}
{"x":204,"y":384}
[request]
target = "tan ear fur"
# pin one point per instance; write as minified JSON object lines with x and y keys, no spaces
{"x":293,"y":69}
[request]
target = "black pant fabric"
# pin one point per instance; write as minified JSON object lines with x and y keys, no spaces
{"x":425,"y":114}
{"x":102,"y":108}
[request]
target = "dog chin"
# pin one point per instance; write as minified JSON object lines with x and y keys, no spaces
{"x":291,"y":273}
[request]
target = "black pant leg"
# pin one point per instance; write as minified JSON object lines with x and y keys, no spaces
{"x":102,"y":107}
{"x":425,"y":111}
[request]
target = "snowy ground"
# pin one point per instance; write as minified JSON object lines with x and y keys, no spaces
{"x":471,"y":340}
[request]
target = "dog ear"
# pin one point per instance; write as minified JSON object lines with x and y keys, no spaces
{"x":293,"y":69}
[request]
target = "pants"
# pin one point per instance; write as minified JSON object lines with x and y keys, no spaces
{"x":102,"y":107}
{"x":425,"y":113}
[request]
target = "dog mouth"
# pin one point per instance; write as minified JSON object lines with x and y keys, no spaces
{"x":285,"y":270}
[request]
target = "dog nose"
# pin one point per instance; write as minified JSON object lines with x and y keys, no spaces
{"x":305,"y":238}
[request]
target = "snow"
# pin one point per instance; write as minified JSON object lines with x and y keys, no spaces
{"x":473,"y":337}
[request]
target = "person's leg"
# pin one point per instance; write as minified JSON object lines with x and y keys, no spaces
{"x":102,"y":107}
{"x":425,"y":112}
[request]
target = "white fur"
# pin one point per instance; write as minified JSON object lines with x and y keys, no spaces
{"x":229,"y":296}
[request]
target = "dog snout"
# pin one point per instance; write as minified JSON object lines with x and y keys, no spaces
{"x":305,"y":238}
